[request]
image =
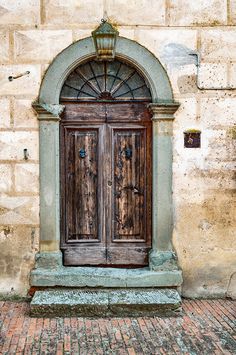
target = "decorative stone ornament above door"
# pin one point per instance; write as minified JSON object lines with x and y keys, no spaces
{"x":163,"y":270}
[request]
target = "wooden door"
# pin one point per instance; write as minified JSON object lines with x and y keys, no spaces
{"x":106,"y":182}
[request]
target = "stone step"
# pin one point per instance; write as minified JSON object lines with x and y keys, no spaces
{"x":103,"y":277}
{"x":104,"y":302}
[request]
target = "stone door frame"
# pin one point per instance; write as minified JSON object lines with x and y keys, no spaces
{"x":162,"y":108}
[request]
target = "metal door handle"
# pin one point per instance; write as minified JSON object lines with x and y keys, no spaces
{"x":82,"y":153}
{"x":128,"y":153}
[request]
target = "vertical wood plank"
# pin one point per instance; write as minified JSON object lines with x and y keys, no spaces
{"x":86,"y":215}
{"x":129,"y":189}
{"x":70,"y":185}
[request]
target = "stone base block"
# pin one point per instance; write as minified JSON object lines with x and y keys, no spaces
{"x":162,"y":260}
{"x":100,"y":303}
{"x":48,"y":261}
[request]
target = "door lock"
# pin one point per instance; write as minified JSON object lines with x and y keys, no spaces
{"x":109,"y":183}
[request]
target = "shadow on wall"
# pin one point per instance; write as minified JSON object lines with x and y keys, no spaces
{"x":174,"y":56}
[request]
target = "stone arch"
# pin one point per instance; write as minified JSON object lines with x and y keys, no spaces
{"x":126,"y":49}
{"x":163,"y":107}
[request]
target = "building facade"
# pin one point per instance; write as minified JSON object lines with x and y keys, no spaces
{"x":185,"y":53}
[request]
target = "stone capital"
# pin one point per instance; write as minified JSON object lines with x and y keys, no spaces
{"x":48,"y":112}
{"x":163,"y":111}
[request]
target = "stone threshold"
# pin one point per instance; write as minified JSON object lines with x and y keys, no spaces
{"x":104,"y":302}
{"x":104,"y":277}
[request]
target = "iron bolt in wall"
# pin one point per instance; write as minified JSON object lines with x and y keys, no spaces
{"x":26,"y":154}
{"x":11,"y":77}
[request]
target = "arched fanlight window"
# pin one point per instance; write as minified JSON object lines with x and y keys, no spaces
{"x":95,"y":80}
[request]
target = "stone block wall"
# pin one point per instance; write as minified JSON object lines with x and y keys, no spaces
{"x":33,"y":32}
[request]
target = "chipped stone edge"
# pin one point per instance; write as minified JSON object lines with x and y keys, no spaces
{"x":48,"y":111}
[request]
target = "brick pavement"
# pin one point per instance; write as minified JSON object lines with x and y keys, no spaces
{"x":205,"y":327}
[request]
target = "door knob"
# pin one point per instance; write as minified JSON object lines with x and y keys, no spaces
{"x":128,"y":153}
{"x":109,"y":182}
{"x":82,"y":153}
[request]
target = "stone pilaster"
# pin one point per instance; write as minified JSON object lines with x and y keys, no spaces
{"x":48,"y":116}
{"x":161,"y":254}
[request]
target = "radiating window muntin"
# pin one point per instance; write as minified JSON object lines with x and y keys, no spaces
{"x":109,"y":81}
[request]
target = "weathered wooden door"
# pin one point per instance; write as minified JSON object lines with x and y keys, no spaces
{"x":105,"y":167}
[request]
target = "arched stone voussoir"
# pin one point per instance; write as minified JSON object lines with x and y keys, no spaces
{"x":82,"y":50}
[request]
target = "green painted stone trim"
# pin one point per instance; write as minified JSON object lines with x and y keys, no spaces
{"x":127,"y":49}
{"x":163,"y":269}
{"x":162,"y":260}
{"x":48,"y":116}
{"x":48,"y":112}
{"x":104,"y":277}
{"x":48,"y":260}
{"x":161,"y":255}
{"x":163,"y":111}
{"x":49,"y":181}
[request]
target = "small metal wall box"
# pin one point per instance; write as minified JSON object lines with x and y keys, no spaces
{"x":192,"y":138}
{"x":104,"y":38}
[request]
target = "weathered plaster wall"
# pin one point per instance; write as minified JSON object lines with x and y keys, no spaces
{"x":32,"y":32}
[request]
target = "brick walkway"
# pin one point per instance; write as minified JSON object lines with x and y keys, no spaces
{"x":205,"y":327}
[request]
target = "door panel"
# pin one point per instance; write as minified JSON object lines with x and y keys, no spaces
{"x":128,"y":256}
{"x":88,"y":112}
{"x":129,"y":186}
{"x":129,"y":239}
{"x":82,"y":195}
{"x":81,"y":185}
{"x":127,"y":112}
{"x":85,"y":255}
{"x":85,"y":192}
